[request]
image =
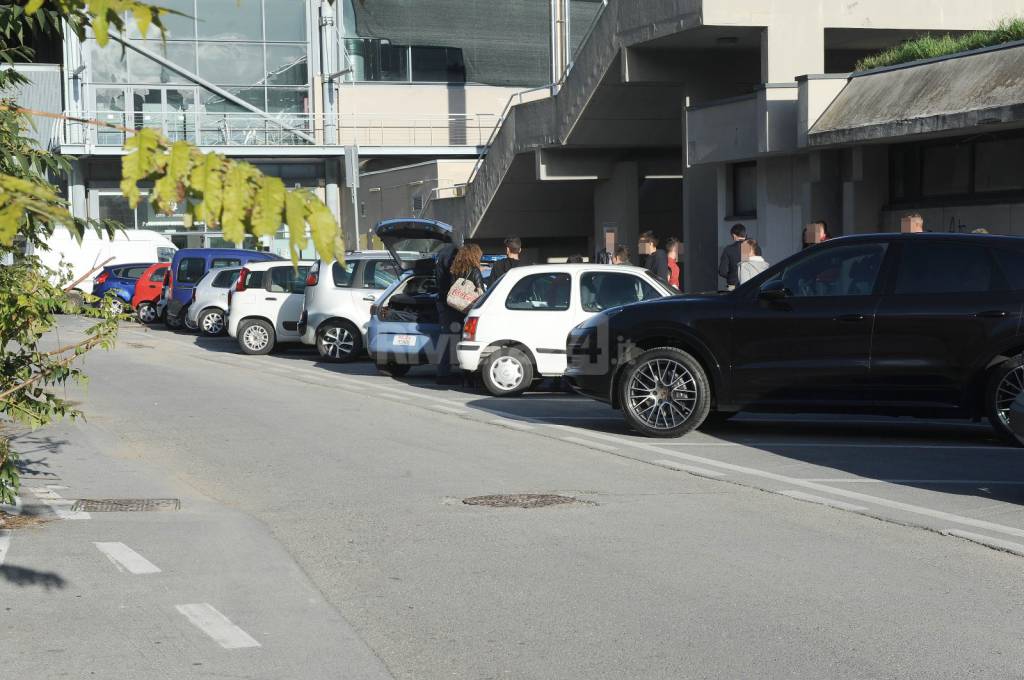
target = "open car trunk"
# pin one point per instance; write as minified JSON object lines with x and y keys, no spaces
{"x":413,"y":301}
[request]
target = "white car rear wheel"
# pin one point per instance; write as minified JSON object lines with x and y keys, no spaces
{"x":339,"y":341}
{"x":507,"y":372}
{"x":211,"y":322}
{"x":256,"y":336}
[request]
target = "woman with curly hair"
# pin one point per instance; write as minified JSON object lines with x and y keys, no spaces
{"x":465,"y":265}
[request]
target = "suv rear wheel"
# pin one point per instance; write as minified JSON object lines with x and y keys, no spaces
{"x":211,"y":322}
{"x":339,"y":341}
{"x":1005,"y":384}
{"x":664,"y":392}
{"x":255,"y":336}
{"x":507,"y":372}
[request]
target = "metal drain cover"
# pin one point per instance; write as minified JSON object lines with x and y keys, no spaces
{"x":520,"y":500}
{"x":126,"y":504}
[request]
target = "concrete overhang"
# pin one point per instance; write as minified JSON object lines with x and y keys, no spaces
{"x":978,"y":90}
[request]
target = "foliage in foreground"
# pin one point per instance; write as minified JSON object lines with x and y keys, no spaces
{"x":931,"y":46}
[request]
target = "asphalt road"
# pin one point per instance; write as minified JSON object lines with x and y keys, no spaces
{"x":322,"y":534}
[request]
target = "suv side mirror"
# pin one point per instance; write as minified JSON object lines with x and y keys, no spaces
{"x":774,"y":290}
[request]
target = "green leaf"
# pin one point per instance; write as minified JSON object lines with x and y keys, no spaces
{"x":32,"y":6}
{"x":323,"y":227}
{"x":239,"y":195}
{"x":139,"y":162}
{"x":170,"y":188}
{"x":267,"y":216}
{"x":295,"y":215}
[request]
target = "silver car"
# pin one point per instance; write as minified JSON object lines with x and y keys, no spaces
{"x":210,"y":301}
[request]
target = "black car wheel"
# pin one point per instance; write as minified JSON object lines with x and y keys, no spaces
{"x":392,"y":369}
{"x":256,"y":336}
{"x":507,"y":372}
{"x":1005,"y":384}
{"x":664,"y":392}
{"x":338,"y":341}
{"x":211,"y":322}
{"x":147,"y":313}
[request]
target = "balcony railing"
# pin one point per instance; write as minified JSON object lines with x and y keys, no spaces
{"x":287,"y":129}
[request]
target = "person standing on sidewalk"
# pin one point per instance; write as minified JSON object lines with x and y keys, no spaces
{"x":653,"y":258}
{"x":447,"y":317}
{"x":729,"y":265}
{"x":513,"y":248}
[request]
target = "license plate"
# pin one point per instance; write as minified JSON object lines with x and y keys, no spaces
{"x":404,"y":340}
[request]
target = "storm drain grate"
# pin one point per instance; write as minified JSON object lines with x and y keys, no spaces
{"x":520,"y":500}
{"x":126,"y":504}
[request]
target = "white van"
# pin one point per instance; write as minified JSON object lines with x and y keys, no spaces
{"x":129,"y":246}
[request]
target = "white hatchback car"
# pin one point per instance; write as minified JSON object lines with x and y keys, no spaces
{"x":516,"y":333}
{"x":264,"y":306}
{"x":337,"y":301}
{"x":210,"y":301}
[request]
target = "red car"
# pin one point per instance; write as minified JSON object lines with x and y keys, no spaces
{"x":150,"y":285}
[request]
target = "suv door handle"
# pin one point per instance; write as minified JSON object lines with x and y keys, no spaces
{"x":850,"y":318}
{"x":271,"y":298}
{"x":992,"y":314}
{"x":370,"y":298}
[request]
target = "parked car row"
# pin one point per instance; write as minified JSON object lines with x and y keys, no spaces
{"x":916,"y":324}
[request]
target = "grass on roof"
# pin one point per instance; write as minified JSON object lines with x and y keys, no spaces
{"x":931,"y":46}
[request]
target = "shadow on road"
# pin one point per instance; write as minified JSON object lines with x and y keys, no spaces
{"x":24,"y":577}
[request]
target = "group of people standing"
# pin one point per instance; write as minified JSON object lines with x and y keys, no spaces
{"x":741,"y":260}
{"x":662,"y":262}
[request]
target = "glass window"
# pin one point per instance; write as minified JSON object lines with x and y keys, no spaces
{"x":744,"y":190}
{"x":604,"y":290}
{"x":226,"y":279}
{"x":158,"y":275}
{"x":380,"y":273}
{"x":286,"y":20}
{"x":547,"y":292}
{"x":134,"y":272}
{"x":108,"y":63}
{"x":229,"y":20}
{"x":287,"y":100}
{"x":1010,"y":262}
{"x":164,"y":255}
{"x":190,"y":269}
{"x":254,"y":280}
{"x":177,"y":26}
{"x":379,"y":60}
{"x":944,"y":267}
{"x":946,"y":170}
{"x":221,"y":262}
{"x":149,"y":107}
{"x":180,"y":116}
{"x":287,"y":65}
{"x":288,"y":279}
{"x":997,"y":165}
{"x":225,"y":63}
{"x":115,"y":207}
{"x":142,"y":69}
{"x":834,"y":272}
{"x":342,"y":274}
{"x":110,"y":109}
{"x":438,"y":65}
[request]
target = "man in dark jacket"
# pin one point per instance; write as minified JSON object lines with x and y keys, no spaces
{"x":447,"y":317}
{"x":653,"y":258}
{"x":513,"y":248}
{"x":729,"y":265}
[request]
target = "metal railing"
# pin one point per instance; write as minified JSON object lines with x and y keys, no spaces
{"x":208,"y":128}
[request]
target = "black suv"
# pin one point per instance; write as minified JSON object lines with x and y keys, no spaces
{"x":896,"y":324}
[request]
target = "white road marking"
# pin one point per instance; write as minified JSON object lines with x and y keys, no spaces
{"x":126,"y":559}
{"x":12,"y":509}
{"x":513,"y":424}
{"x":692,"y":469}
{"x":589,"y":444}
{"x":62,"y":508}
{"x":801,"y":496}
{"x":5,"y":544}
{"x":995,"y":543}
{"x":219,"y":627}
{"x":814,"y":486}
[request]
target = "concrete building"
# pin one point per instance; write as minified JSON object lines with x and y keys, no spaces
{"x":688,"y":116}
{"x":311,"y":91}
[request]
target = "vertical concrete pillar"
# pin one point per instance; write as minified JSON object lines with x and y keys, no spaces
{"x":700,"y":228}
{"x":865,"y":188}
{"x":77,"y":196}
{"x":331,"y":194}
{"x":780,"y":219}
{"x":792,"y":46}
{"x":822,"y":192}
{"x":617,"y":206}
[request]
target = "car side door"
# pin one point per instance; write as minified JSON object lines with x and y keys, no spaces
{"x":948,"y":309}
{"x":803,"y":336}
{"x":284,"y":289}
{"x":538,"y":313}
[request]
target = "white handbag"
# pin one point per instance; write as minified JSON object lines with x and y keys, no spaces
{"x":463,"y":294}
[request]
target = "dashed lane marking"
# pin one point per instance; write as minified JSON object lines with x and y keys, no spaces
{"x":589,"y":444}
{"x":801,"y":496}
{"x":691,"y":469}
{"x":994,"y":543}
{"x":219,"y":627}
{"x":126,"y":559}
{"x":5,"y":544}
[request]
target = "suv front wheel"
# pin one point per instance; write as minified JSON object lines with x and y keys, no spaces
{"x":664,"y":392}
{"x":255,"y":336}
{"x":1005,"y":383}
{"x":338,"y":341}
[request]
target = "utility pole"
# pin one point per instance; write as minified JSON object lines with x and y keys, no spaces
{"x":559,"y":41}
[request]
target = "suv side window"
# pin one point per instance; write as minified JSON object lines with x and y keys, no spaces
{"x":604,"y":290}
{"x":942,"y":267}
{"x":221,"y":262}
{"x":835,"y":272}
{"x":380,"y":274}
{"x":254,"y":279}
{"x":190,"y":270}
{"x":343,"y":274}
{"x":287,"y":279}
{"x":547,"y":292}
{"x":225,"y":279}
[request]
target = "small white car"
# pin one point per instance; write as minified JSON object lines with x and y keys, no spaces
{"x":265,"y":304}
{"x":210,"y":301}
{"x":336,"y":306}
{"x":517,"y":332}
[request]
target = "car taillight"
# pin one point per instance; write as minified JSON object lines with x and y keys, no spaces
{"x":242,"y":276}
{"x":312,"y":278}
{"x":469,"y":328}
{"x":102,"y":278}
